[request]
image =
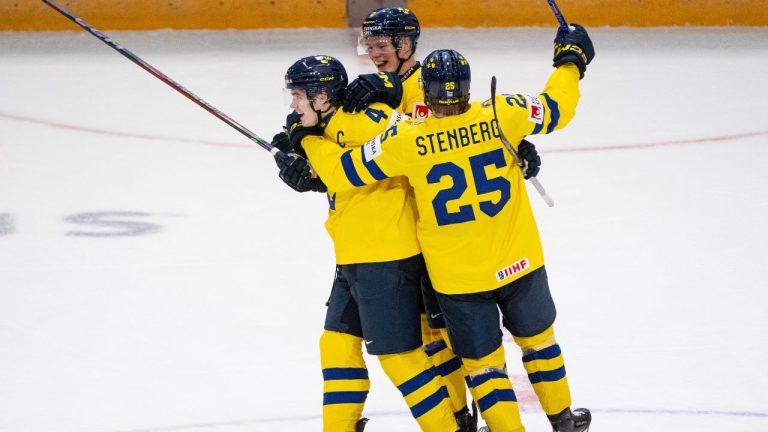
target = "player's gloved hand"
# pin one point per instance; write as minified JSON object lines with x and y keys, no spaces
{"x":530,"y":158}
{"x":296,"y":173}
{"x":282,"y":142}
{"x":296,"y":132}
{"x":299,"y":133}
{"x":384,"y":87}
{"x":292,"y":120}
{"x":573,"y":47}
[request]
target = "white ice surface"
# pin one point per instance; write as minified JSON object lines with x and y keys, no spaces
{"x":655,"y":249}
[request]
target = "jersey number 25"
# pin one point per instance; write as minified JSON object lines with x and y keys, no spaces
{"x":483,"y":185}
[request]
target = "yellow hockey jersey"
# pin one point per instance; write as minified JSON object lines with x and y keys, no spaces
{"x":374,"y":223}
{"x":476,"y":226}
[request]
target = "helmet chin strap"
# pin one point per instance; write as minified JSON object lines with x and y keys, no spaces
{"x":402,"y":60}
{"x":321,"y":114}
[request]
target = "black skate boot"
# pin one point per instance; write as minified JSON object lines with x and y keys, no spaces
{"x":467,"y":422}
{"x":577,"y":420}
{"x":360,"y":425}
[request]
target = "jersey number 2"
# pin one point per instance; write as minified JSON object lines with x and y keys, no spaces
{"x":483,"y":185}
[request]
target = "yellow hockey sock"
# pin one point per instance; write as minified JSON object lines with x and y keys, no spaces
{"x":544,"y":363}
{"x":448,"y":365}
{"x":345,"y":381}
{"x":422,"y":388}
{"x":492,"y":390}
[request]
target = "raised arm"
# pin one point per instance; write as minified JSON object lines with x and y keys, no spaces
{"x":555,"y":106}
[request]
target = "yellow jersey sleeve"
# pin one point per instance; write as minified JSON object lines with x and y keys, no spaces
{"x":552,"y":109}
{"x":375,"y":223}
{"x":343,"y":169}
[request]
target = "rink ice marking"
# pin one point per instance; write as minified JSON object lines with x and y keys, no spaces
{"x":609,"y":411}
{"x":95,"y":131}
{"x":75,"y":128}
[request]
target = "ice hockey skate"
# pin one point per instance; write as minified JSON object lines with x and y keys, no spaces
{"x":577,"y":420}
{"x":360,"y":425}
{"x":466,"y":420}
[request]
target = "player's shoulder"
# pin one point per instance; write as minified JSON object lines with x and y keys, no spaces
{"x":381,"y":107}
{"x":410,"y":125}
{"x":516,"y":100}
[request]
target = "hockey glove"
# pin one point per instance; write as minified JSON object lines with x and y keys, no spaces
{"x":296,"y":173}
{"x":292,"y":121}
{"x":282,"y":142}
{"x":530,"y":157}
{"x":384,"y":87}
{"x":573,"y":47}
{"x":298,"y":133}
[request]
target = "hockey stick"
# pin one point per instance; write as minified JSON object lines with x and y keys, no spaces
{"x":534,"y":181}
{"x":559,"y":16}
{"x":164,"y":78}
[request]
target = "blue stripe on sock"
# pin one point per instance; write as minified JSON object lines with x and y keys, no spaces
{"x":494,"y":397}
{"x":349,"y":169}
{"x":417,"y":382}
{"x":430,"y":402}
{"x":449,"y":367}
{"x":547,"y":353}
{"x":343,"y":397}
{"x":435,"y":347}
{"x":555,"y":109}
{"x":480,"y":379}
{"x":547,"y":376}
{"x":331,"y":374}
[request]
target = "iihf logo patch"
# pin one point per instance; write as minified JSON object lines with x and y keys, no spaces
{"x":512,"y":269}
{"x":420,"y":111}
{"x":535,"y":110}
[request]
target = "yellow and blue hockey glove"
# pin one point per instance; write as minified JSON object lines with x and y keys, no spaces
{"x":573,"y":47}
{"x":384,"y":87}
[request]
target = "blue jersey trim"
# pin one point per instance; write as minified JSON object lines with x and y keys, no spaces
{"x":555,"y":109}
{"x":349,"y":169}
{"x":373,"y":168}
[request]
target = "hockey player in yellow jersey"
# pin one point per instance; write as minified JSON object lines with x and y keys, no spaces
{"x":389,"y":37}
{"x":377,"y":290}
{"x":476,"y":227}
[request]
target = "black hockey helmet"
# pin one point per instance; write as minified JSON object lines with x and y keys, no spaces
{"x":395,"y":22}
{"x":317,"y":74}
{"x":445,"y":78}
